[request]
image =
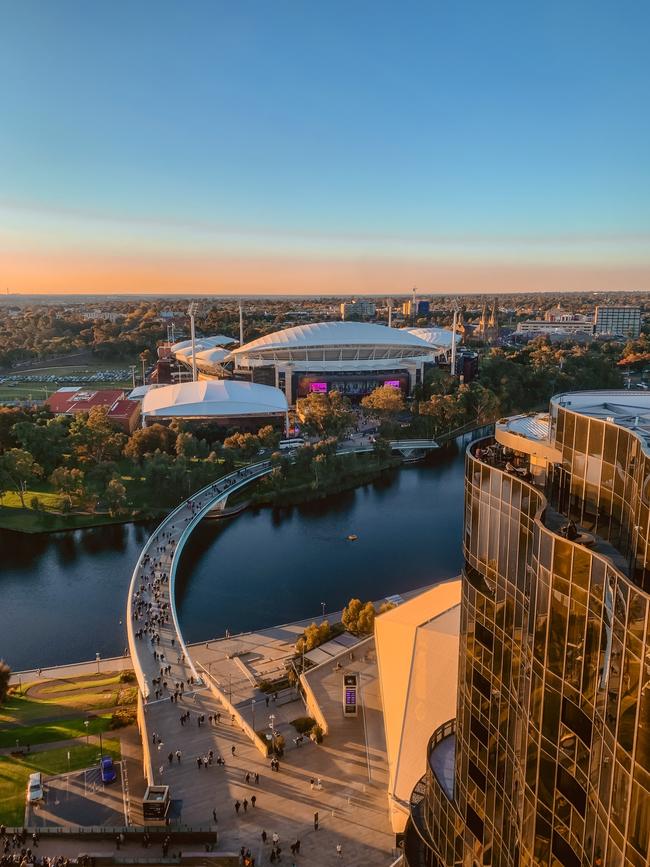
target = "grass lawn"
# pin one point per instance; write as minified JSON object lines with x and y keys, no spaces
{"x":29,"y":521}
{"x":39,"y":701}
{"x":14,"y":773}
{"x":53,"y":687}
{"x":60,"y":730}
{"x":53,"y":699}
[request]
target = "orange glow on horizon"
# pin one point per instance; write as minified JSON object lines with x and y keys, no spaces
{"x":94,"y":273}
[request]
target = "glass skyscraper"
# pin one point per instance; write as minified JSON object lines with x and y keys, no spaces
{"x":548,"y":759}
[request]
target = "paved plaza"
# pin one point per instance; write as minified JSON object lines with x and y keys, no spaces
{"x":351,"y":804}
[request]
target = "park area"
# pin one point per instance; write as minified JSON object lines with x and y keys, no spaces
{"x":55,"y":726}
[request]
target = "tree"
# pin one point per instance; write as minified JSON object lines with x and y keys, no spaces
{"x":94,"y":437}
{"x":325,"y":414}
{"x":17,"y":469}
{"x":147,"y":440}
{"x":187,"y":445}
{"x":384,"y":402}
{"x":46,"y":442}
{"x":5,"y":676}
{"x":9,"y":417}
{"x":115,"y":496}
{"x":313,"y":636}
{"x":245,"y":443}
{"x":359,"y":618}
{"x":68,"y":481}
{"x":269,"y":437}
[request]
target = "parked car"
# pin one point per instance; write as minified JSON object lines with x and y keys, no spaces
{"x":108,"y":770}
{"x":35,"y":788}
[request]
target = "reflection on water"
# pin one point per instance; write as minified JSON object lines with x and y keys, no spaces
{"x":62,"y":595}
{"x":273,"y":566}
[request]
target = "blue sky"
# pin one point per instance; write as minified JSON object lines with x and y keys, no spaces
{"x":424,"y":132}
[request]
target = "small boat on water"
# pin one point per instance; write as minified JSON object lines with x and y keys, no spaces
{"x":352,"y":537}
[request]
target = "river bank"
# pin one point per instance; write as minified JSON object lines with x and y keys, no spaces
{"x":303,"y":487}
{"x":298,"y":487}
{"x":267,"y":564}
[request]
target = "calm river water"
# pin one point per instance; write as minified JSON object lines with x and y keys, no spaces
{"x":62,"y":595}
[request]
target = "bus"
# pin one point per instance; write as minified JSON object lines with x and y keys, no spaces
{"x":293,"y":443}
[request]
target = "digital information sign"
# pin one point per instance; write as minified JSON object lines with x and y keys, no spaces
{"x":350,"y":694}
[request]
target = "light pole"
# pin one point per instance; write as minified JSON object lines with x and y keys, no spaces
{"x":272,"y":727}
{"x":192,"y":313}
{"x":133,"y":374}
{"x":97,"y":660}
{"x":322,"y":605}
{"x":86,"y":723}
{"x":253,"y":711}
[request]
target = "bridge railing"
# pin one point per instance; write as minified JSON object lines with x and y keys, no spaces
{"x":140,"y":674}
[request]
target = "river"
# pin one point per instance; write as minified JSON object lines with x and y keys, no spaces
{"x":62,"y":595}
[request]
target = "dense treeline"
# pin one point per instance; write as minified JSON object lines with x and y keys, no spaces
{"x":93,"y":467}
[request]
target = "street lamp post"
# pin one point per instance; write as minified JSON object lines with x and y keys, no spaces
{"x":272,"y":727}
{"x":86,"y":723}
{"x":322,"y":605}
{"x":253,"y":711}
{"x":97,"y":660}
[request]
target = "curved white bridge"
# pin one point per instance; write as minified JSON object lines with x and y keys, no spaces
{"x":160,"y":557}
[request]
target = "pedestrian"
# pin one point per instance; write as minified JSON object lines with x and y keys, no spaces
{"x":247,"y":777}
{"x":311,"y":784}
{"x":199,"y":763}
{"x":297,"y":844}
{"x":257,"y":779}
{"x":232,"y":749}
{"x":178,"y":756}
{"x":237,"y":806}
{"x":253,"y":800}
{"x":316,"y":821}
{"x":214,"y":816}
{"x":170,"y":758}
{"x":205,"y":761}
{"x":339,"y":850}
{"x":275,"y":838}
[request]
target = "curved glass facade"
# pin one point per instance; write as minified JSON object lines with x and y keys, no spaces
{"x":552,"y":751}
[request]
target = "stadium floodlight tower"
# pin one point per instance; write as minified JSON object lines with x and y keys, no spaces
{"x":192,"y":310}
{"x":455,"y":304}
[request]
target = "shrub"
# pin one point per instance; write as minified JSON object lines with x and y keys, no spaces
{"x":127,"y":677}
{"x":122,"y":716}
{"x":317,"y":733}
{"x":313,"y":636}
{"x":303,"y":724}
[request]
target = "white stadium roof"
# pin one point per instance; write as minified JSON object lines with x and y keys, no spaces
{"x":214,"y":398}
{"x":203,"y":343}
{"x":435,"y":336}
{"x":333,"y":334}
{"x":211,"y":356}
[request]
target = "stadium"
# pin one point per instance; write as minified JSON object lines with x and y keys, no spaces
{"x":225,"y":402}
{"x":350,"y":357}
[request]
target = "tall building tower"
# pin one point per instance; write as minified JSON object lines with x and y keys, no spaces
{"x":548,"y":759}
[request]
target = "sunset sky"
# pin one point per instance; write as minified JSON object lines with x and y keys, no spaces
{"x":312,"y":147}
